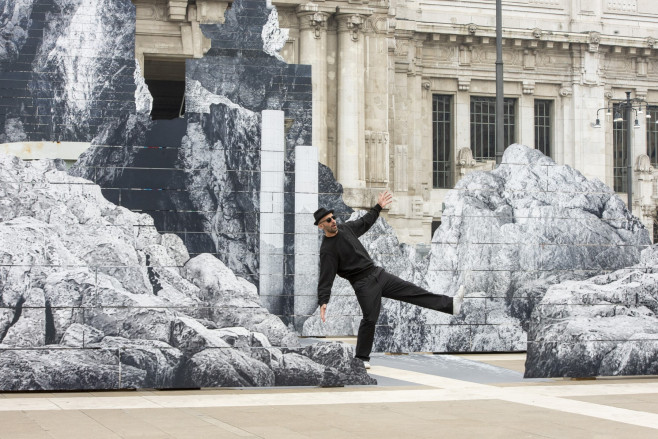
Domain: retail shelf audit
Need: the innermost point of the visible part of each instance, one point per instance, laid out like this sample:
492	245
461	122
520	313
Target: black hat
320	213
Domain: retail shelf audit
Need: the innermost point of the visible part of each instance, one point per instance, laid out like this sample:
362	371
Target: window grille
619	151
483	126
543	126
652	135
442	141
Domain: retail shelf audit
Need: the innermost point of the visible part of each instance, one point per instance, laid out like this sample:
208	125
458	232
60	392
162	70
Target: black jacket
343	254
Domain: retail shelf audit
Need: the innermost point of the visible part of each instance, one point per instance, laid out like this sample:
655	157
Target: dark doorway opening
165	79
435	225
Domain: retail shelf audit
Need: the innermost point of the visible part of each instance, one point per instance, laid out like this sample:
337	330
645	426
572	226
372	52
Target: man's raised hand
384	199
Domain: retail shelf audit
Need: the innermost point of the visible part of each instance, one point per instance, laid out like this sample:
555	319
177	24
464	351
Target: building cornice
474	32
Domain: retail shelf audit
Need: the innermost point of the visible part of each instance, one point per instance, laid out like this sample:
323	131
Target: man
342	253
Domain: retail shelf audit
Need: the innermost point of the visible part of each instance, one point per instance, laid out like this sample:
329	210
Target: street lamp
623	113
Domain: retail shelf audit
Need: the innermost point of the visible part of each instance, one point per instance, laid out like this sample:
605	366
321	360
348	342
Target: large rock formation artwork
214	176
92	296
67	68
605	325
506	235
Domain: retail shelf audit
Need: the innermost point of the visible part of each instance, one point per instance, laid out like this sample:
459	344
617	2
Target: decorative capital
464	84
317	21
351	23
528	87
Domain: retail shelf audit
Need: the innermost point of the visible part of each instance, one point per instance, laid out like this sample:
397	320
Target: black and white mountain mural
92	296
182	253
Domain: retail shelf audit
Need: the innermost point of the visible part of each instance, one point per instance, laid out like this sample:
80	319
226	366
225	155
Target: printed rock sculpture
92	296
507	235
606	325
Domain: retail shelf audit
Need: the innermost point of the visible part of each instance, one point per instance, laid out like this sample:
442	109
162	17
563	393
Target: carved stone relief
154	10
566	91
529	59
465	55
621	5
287	18
643	164
377	151
401	179
378	25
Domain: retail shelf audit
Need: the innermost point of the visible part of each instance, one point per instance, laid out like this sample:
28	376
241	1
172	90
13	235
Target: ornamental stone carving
528	87
594	40
464	84
651	42
537	33
465	157
566	91
351	23
317	21
472	28
622	5
643	164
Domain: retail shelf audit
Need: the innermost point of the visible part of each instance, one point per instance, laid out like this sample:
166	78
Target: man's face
328	224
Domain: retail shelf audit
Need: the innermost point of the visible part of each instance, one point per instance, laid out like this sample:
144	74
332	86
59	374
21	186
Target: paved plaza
418	396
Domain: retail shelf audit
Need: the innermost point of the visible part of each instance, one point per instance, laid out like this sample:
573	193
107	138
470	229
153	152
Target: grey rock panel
94	297
602	326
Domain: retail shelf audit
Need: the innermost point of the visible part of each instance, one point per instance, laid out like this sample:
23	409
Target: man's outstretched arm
363	224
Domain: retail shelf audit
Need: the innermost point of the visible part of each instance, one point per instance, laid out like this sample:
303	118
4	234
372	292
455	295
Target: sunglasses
330	219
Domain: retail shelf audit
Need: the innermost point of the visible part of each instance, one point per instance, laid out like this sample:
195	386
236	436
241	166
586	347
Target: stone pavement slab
419	396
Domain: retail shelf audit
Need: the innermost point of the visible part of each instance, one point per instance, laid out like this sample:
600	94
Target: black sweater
343	254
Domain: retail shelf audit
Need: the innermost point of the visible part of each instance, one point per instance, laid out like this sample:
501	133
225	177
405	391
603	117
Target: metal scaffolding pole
500	96
628	117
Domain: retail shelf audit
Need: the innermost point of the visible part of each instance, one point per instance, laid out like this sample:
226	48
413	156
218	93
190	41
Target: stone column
564	126
376	110
272	179
306	234
526	122
588	142
462	121
313	51
640	134
350	142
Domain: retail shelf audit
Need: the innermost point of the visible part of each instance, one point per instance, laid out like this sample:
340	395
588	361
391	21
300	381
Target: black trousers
369	292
